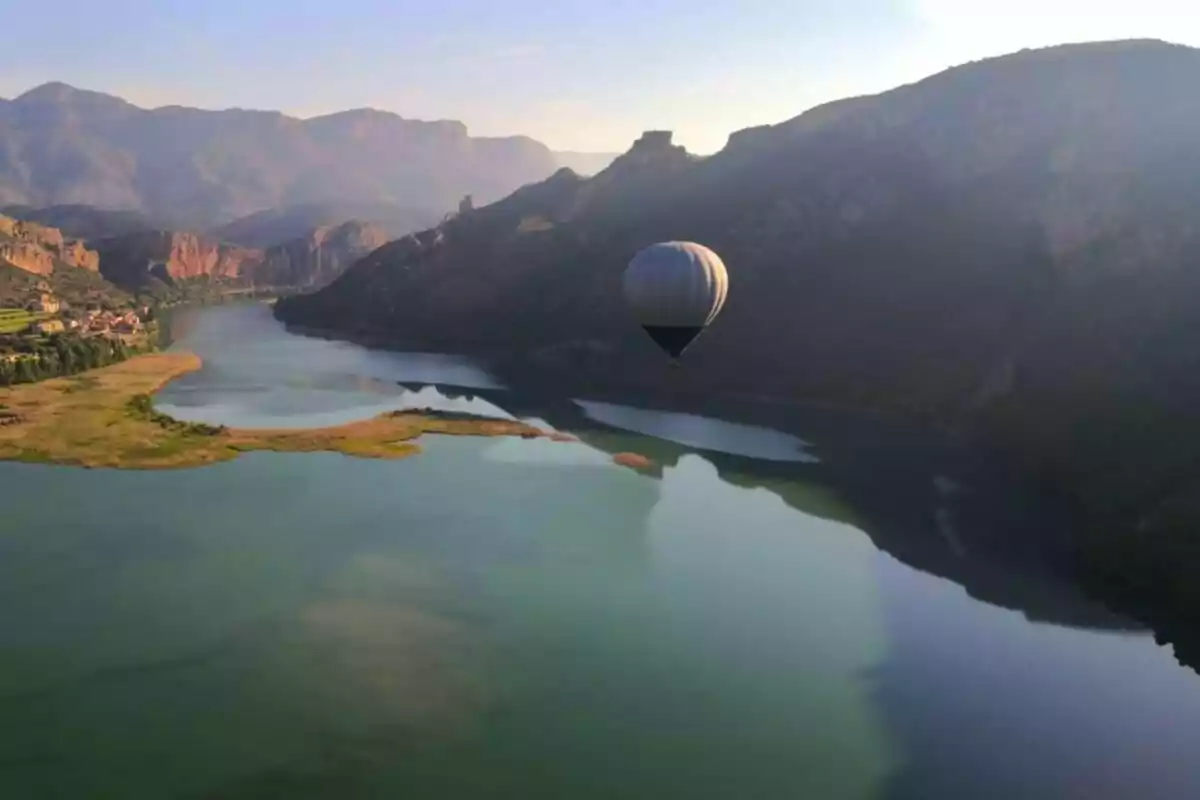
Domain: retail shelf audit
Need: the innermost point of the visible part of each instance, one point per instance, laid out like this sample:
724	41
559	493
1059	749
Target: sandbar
105	418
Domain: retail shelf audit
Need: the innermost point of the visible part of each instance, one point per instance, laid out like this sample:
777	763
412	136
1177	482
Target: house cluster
107	322
52	316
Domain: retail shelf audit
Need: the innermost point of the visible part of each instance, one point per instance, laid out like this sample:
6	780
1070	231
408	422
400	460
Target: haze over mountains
254	198
193	169
1010	246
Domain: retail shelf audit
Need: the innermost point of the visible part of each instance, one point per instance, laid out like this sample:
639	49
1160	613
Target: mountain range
1007	249
193	169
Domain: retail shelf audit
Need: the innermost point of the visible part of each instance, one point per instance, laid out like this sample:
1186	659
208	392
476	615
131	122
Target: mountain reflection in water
888	483
779	608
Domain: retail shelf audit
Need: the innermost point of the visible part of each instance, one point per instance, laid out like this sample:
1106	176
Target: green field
15	320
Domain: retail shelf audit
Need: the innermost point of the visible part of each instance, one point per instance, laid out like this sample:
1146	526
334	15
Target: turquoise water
500	618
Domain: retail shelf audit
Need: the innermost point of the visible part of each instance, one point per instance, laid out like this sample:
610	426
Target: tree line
60	354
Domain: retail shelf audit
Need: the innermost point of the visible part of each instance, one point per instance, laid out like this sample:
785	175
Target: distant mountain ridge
1009	247
83	222
193	169
278	225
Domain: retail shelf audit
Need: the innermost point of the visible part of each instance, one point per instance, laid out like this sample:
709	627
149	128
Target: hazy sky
576	74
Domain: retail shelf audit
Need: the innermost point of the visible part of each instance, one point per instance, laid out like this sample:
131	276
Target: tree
24	371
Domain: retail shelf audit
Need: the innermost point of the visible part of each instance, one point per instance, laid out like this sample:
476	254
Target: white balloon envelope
675	290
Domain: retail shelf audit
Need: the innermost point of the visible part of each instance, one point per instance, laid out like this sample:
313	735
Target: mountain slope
1010	246
83	222
195	169
277	225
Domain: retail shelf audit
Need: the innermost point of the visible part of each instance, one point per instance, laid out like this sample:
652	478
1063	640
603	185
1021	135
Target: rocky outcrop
28	257
308	261
36	248
316	259
655	149
130	261
75	254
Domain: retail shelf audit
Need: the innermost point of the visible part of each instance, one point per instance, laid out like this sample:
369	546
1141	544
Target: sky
586	75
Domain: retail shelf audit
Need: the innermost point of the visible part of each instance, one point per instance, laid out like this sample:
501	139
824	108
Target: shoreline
104	418
511	367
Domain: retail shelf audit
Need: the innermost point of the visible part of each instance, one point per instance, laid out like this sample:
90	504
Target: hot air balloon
675	289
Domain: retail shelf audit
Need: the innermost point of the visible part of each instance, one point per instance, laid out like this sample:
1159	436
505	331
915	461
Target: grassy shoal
104	418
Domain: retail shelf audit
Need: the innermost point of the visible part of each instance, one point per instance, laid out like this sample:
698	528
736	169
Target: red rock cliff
35	248
126	260
312	260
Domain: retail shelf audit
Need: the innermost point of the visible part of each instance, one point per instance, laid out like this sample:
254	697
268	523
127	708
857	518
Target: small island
105	418
634	461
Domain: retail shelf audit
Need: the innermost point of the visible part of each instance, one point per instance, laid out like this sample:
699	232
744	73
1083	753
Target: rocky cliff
1008	247
317	258
37	248
135	260
191	169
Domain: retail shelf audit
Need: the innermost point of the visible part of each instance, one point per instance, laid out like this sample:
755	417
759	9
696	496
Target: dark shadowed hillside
190	169
1010	247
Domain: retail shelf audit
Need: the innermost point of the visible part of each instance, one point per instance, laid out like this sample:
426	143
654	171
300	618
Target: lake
826	609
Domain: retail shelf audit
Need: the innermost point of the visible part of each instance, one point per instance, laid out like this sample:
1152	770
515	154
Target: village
48	315
45	337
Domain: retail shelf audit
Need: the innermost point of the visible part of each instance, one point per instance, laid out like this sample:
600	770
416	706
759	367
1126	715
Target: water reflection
886	481
1029	711
890	488
256	376
506	618
931	508
702	433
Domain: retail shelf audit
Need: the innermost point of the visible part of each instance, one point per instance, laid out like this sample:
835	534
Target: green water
524	619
